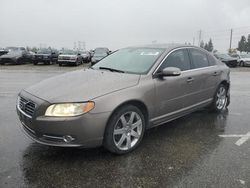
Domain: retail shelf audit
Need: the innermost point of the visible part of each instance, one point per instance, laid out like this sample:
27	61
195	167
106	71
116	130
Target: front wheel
125	130
220	101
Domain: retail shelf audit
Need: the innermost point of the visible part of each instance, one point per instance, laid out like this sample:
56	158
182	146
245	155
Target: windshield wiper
110	69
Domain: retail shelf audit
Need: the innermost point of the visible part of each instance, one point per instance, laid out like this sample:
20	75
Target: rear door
203	76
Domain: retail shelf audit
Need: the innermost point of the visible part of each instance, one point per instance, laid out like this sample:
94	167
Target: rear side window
211	60
179	59
199	58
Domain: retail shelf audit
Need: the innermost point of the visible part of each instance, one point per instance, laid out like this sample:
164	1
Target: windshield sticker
150	53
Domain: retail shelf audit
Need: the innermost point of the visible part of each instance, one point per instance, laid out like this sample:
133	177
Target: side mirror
170	71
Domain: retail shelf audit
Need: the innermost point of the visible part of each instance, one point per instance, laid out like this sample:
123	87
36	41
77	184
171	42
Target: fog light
68	138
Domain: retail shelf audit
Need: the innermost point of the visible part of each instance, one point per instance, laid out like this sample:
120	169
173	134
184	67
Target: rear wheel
220	101
125	130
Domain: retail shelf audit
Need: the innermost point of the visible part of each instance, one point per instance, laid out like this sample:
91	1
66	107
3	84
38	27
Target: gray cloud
118	23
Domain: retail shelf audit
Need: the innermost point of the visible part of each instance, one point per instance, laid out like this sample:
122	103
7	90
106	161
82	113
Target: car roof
164	46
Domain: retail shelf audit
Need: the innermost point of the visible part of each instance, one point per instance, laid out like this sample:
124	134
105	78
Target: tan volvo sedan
113	102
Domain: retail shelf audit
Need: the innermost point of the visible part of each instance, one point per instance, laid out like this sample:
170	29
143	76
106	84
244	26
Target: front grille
26	106
39	57
65	58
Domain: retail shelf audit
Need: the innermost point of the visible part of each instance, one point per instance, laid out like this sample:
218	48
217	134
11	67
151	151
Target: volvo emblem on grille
24	105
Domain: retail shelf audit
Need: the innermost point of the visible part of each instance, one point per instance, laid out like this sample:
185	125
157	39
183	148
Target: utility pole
199	38
231	36
193	40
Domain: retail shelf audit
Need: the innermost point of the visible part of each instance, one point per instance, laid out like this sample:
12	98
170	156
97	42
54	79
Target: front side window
199	58
211	60
179	59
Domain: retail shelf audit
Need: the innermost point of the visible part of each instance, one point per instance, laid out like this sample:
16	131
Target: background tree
247	45
210	45
202	44
242	44
34	49
206	46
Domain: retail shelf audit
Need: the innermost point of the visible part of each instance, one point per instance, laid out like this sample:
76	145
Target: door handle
190	80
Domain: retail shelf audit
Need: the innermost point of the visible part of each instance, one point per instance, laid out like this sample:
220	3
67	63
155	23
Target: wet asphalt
187	152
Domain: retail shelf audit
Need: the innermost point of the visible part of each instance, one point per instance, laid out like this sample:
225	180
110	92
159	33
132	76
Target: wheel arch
139	104
225	82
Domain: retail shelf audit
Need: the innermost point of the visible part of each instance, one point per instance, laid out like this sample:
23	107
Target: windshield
131	60
245	56
100	53
44	51
69	52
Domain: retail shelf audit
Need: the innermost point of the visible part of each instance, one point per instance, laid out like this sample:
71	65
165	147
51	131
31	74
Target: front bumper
42	59
66	61
84	131
8	60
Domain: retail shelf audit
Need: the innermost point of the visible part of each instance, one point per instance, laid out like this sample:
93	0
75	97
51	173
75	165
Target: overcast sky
120	23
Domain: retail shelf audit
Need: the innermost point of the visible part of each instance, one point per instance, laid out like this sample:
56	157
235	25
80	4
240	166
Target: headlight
69	109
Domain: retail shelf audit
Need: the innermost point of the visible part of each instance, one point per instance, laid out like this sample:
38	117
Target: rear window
199	58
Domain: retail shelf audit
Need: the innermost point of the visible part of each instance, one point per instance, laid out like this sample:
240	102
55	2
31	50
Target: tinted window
199	58
179	59
211	60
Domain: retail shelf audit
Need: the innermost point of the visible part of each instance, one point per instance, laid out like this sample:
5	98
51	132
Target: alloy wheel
221	98
128	130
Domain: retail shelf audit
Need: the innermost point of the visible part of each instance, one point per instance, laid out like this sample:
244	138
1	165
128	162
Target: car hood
98	57
82	85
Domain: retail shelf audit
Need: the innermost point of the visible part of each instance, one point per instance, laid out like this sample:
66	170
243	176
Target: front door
171	92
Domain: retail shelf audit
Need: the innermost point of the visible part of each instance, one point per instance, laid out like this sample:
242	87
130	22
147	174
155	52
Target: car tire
34	63
221	100
2	63
124	130
19	62
60	64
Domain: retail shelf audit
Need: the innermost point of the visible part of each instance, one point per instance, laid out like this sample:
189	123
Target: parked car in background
243	59
15	55
70	57
113	102
99	54
46	56
92	51
227	59
86	56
